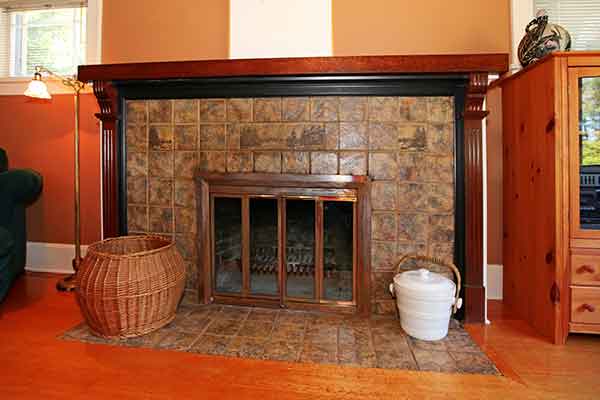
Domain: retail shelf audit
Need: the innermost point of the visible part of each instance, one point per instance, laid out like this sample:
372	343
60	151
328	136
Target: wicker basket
129	286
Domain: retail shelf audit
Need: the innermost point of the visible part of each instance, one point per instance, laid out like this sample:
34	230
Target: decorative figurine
542	38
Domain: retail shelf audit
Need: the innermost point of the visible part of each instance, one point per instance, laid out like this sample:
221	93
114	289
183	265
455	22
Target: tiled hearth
404	144
295	336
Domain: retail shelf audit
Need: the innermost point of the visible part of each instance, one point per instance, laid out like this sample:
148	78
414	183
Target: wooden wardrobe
551	194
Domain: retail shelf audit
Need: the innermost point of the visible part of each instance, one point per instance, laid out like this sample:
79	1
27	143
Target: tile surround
405	144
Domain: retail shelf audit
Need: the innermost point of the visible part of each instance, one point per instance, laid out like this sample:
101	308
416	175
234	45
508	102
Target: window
52	33
580	17
279	28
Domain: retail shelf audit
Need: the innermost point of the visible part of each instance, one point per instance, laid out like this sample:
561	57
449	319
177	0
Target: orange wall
155	30
38	134
422	26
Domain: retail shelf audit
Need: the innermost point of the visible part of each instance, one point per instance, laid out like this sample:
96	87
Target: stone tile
137	164
211	344
440	198
354	136
407	168
295	162
180	341
413	196
383	109
263	314
353	109
332	136
385	307
160	164
323	163
262	136
461	344
185	193
438	361
239	161
381	284
444	251
434	168
186	163
321	333
280	350
227	327
185	220
161	219
383	256
136	190
413	109
292	317
383	226
239	110
383	135
267	161
289	332
212	137
440	110
136	112
427	345
384	195
186	137
261	329
412	137
186	244
440	138
160	192
212	110
474	363
137	218
324	108
403	248
441	228
193	324
160	111
295	109
233	312
413	227
160	137
302	136
149	340
322	353
267	109
212	161
383	166
232	140
185	111
208	311
191	275
353	163
137	138
248	347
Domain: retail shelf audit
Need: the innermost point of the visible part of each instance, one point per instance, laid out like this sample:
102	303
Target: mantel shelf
392	64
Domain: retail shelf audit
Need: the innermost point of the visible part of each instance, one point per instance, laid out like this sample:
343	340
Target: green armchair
18	188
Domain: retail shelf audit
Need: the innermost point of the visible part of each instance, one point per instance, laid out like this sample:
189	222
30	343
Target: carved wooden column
109	117
473	148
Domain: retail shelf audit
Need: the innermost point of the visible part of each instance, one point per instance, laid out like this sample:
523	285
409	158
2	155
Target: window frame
10	86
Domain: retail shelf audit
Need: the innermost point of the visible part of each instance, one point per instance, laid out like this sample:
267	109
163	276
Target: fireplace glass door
284	248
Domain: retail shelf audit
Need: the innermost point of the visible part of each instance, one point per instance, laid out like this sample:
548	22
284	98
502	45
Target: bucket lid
423	281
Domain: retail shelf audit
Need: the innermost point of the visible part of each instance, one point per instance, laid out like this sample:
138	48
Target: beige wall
494	176
155	30
420	26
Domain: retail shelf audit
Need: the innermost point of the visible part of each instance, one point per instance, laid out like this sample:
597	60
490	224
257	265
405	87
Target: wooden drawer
585	305
585	269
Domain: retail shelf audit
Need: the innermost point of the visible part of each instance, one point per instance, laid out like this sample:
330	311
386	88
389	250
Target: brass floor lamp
38	89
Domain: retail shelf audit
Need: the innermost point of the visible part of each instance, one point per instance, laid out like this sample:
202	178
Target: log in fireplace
225	123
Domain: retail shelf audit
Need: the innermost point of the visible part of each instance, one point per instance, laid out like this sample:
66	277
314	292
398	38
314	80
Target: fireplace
409	126
285	240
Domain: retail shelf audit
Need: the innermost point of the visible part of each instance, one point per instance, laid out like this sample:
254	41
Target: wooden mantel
473	68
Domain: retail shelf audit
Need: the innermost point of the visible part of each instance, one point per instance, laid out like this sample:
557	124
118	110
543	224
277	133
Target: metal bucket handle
433	260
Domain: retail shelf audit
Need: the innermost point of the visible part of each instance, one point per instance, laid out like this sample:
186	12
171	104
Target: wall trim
51	257
494	281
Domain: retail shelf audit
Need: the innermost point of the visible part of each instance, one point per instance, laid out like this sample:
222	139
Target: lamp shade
37	89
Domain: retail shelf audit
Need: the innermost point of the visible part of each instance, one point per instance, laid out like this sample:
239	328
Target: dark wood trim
473	163
209	185
393	64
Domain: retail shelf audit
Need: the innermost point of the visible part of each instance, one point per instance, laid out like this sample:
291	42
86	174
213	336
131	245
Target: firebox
284	240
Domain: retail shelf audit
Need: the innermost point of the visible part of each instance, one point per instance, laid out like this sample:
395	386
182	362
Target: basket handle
433	260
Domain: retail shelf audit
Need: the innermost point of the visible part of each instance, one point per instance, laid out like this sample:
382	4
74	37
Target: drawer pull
588	307
585	268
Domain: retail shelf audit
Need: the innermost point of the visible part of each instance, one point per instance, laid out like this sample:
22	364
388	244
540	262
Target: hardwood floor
35	364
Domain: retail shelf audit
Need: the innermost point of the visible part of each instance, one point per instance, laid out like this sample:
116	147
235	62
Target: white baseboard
51	257
494	282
